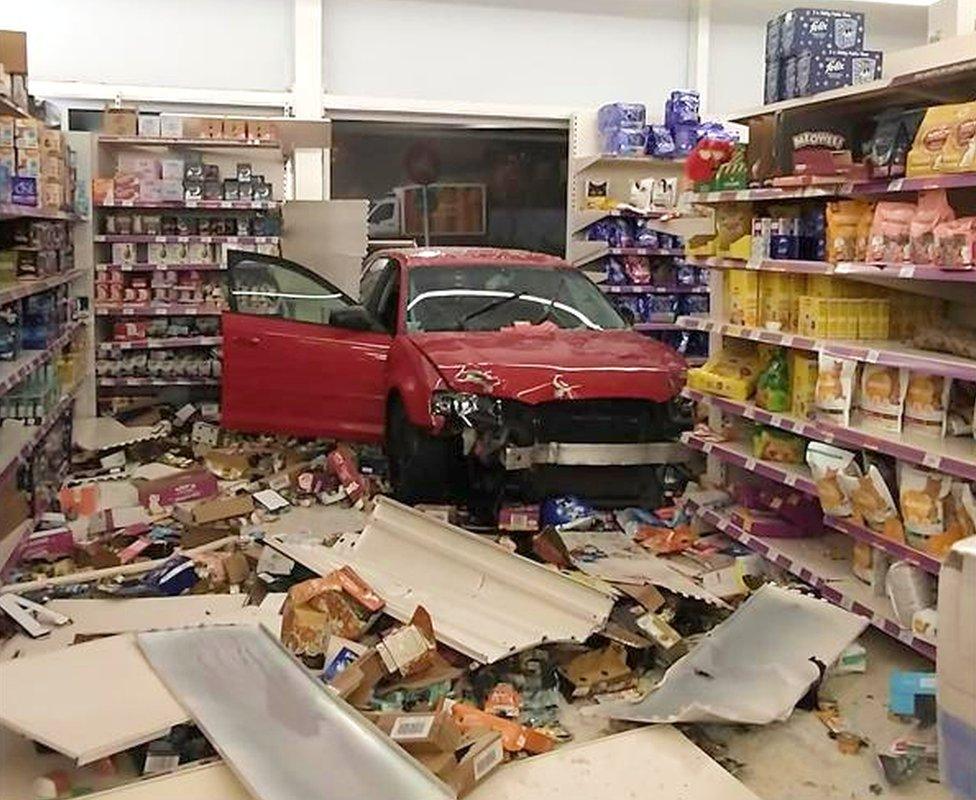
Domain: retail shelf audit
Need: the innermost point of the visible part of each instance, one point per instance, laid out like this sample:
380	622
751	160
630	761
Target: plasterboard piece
100	617
647	762
212	781
105	433
723	679
87	701
284	734
484	601
625	562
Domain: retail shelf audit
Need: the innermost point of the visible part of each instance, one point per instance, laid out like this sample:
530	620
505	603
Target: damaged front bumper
575	454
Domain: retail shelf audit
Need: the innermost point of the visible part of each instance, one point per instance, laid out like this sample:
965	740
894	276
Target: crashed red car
475	368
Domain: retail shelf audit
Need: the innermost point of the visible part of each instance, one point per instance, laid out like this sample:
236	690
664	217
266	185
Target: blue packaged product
644	235
632	304
601	231
682	108
788	86
693	304
660	142
621	115
661	307
703	276
831	69
9	335
624	141
615	271
566	511
23	191
813	30
773	89
772	39
621	233
686	275
685	138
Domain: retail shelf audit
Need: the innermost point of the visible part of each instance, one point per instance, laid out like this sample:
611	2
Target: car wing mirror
354	318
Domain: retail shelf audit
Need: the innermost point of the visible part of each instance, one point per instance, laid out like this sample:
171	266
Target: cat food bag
910	590
955	243
888	242
922	497
843	220
773	444
873	502
835	389
933	209
637	269
960	517
828	465
926	403
959	417
882	397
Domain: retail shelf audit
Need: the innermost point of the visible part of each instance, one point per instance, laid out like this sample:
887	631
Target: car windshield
491	297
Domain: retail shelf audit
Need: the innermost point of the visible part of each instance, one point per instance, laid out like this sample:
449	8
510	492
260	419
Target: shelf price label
932	460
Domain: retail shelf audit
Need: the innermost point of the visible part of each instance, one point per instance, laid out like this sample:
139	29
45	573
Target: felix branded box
814	30
819	71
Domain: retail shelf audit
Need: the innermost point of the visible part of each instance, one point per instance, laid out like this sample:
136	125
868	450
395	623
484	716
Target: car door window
389	298
370	279
270	286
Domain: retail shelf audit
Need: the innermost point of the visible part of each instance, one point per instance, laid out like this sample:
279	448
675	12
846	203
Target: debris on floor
269	585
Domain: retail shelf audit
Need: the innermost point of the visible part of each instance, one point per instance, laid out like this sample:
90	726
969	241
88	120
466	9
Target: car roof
470	257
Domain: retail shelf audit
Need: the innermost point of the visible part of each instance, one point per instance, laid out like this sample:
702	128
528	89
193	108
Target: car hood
540	363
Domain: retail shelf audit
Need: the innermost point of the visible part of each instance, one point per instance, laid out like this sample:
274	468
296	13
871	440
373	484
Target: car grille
587	421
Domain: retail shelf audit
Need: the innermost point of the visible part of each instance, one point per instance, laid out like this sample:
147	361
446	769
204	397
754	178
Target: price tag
749	412
207	239
932	460
183	239
895	185
750	464
754	264
872	356
722	524
159	239
789	479
787	340
707	447
752	334
842	268
128	312
906	272
192	204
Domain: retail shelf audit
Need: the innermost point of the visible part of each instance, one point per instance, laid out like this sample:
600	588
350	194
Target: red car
472	366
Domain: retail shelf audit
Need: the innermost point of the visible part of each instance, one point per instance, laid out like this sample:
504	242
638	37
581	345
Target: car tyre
423	468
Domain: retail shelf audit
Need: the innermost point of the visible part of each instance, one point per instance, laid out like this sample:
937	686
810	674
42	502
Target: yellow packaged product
726	375
776	301
733	221
872	319
742	297
814	316
803	383
842	319
844	218
945	141
864	232
827	286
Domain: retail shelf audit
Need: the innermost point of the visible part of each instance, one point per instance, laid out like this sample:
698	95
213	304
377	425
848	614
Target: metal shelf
21	289
814	561
886	353
18	442
656	326
652	163
798	476
190	205
8	107
161	344
11	211
107	238
160	267
169	381
155	310
165	141
638	288
602	250
919	272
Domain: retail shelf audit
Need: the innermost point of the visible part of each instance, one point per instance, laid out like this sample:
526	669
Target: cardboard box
355	683
120	121
831	69
207	511
51	142
103	191
28	162
13	51
148	125
191	484
806	30
956	678
420	732
6	132
170	126
235	129
27	133
480	758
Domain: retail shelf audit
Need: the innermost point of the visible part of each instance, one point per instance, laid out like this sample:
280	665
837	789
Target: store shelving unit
619	173
824	561
267	159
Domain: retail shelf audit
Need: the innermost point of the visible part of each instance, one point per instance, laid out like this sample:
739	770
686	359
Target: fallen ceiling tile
485	602
285	735
317	522
106	433
87	701
622	561
654	762
754	667
100	617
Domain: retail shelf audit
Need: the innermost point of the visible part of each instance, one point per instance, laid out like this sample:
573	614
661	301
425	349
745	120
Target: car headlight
464	407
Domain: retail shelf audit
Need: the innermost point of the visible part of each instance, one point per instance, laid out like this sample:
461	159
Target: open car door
300	357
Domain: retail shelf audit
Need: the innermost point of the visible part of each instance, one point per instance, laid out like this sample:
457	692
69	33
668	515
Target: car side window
270	286
388	298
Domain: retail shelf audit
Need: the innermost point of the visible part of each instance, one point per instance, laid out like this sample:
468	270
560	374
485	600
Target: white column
948	18
311	165
699	38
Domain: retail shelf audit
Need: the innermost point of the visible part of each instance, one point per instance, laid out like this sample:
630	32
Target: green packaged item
772	444
773	384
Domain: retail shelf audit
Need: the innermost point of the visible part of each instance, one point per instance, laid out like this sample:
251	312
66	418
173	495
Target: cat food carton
835	389
926	403
922	496
882	397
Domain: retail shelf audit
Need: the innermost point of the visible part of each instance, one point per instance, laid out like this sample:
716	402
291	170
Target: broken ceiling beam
484	601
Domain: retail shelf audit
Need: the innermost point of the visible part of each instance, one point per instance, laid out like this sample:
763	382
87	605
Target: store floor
797	759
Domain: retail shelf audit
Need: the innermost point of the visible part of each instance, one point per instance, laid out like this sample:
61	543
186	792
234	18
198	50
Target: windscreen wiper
486	308
552	303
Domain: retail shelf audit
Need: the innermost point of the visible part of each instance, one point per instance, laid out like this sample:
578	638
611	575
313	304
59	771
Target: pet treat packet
926	403
882	397
873	502
828	464
835	389
922	496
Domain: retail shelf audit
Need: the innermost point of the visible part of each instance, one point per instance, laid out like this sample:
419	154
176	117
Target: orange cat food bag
888	242
835	389
922	495
926	403
960	516
873	503
882	397
829	465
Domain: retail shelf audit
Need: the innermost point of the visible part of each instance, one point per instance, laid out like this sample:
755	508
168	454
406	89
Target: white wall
226	44
568	53
735	78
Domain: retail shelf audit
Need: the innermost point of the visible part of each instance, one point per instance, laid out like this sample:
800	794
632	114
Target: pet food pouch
835	388
803	385
955	243
959	417
843	219
921	496
773	444
882	397
828	464
889	238
773	386
960	516
873	502
926	403
933	209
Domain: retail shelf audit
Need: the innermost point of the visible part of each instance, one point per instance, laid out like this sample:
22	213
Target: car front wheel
423	468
